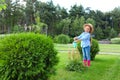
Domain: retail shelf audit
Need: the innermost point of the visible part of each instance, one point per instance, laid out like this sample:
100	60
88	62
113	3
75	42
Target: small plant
94	49
75	65
27	56
62	39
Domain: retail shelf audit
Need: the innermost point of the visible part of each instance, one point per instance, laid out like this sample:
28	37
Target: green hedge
62	39
27	56
115	40
94	49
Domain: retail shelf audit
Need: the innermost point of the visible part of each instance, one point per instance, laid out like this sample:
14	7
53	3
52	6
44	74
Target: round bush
27	56
115	40
62	39
94	49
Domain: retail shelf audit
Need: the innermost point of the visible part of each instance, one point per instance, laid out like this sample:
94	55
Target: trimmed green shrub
115	40
75	65
27	56
62	39
94	49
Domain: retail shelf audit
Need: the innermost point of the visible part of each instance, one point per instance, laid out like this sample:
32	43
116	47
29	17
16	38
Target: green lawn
111	48
105	67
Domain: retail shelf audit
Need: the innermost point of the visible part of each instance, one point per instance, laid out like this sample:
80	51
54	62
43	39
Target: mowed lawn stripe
113	73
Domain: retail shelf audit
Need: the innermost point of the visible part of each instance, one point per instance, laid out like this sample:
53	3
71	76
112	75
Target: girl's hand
75	38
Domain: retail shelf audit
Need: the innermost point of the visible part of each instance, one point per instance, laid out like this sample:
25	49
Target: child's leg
87	50
84	57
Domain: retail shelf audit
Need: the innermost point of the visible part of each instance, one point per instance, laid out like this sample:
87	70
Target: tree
115	14
47	13
2	4
76	11
63	26
98	33
99	18
90	20
11	16
77	26
40	27
113	33
107	32
8	16
29	12
61	13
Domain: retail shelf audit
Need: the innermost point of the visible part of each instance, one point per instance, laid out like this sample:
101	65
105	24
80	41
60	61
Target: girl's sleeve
79	37
84	37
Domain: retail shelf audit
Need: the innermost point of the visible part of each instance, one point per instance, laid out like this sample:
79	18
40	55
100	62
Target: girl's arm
85	37
76	39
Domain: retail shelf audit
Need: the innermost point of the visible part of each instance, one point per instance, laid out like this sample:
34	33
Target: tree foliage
98	33
2	5
58	19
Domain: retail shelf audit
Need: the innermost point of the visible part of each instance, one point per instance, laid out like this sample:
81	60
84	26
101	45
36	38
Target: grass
105	67
109	48
115	48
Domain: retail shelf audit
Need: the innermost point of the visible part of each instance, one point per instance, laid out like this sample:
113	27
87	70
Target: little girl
85	39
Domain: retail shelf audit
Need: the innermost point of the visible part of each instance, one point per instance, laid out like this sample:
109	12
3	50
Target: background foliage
62	39
58	19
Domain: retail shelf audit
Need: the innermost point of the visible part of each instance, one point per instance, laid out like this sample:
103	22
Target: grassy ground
112	48
115	48
105	67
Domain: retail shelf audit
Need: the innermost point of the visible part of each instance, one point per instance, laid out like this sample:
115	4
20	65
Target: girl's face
87	29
